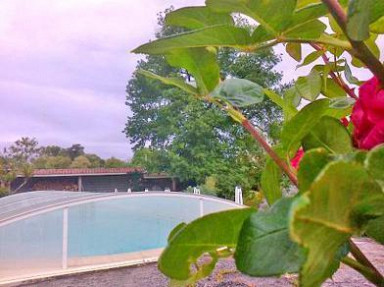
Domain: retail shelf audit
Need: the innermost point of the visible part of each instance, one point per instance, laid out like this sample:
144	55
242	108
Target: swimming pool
49	230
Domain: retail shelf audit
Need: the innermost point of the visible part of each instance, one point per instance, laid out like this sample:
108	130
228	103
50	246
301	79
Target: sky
65	65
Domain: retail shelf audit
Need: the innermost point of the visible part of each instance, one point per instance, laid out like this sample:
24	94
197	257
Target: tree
115	162
59	161
25	150
75	150
152	160
198	140
95	160
81	162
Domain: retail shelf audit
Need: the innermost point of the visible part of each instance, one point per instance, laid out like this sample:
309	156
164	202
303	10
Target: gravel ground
225	275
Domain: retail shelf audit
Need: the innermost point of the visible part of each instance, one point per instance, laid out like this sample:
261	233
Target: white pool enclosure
47	233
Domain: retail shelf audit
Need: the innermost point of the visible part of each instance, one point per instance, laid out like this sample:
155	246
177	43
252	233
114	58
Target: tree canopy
174	132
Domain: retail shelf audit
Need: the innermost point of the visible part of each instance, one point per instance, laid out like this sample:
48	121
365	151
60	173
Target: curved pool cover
56	232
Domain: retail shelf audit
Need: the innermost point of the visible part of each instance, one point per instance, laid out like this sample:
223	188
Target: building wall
96	183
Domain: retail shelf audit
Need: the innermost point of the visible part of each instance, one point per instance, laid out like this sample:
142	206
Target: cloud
65	66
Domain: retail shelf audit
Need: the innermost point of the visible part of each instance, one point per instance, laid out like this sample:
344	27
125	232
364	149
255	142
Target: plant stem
373	277
279	161
334	77
360	257
360	50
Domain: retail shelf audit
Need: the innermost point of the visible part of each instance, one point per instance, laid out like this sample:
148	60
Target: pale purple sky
64	68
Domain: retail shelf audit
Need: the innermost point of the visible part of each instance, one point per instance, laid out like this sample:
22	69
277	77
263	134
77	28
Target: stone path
225	275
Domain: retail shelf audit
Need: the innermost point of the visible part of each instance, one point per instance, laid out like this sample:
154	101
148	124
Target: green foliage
204	235
326	215
329	134
81	162
302	123
264	247
115	162
340	188
239	92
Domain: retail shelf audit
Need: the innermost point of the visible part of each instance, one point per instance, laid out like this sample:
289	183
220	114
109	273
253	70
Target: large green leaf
264	247
206	234
239	92
330	134
197	17
331	90
219	35
273	15
302	123
358	19
311	165
177	82
270	182
375	162
201	63
310	31
323	218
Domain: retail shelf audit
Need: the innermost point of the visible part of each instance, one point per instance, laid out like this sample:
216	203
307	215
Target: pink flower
295	161
368	115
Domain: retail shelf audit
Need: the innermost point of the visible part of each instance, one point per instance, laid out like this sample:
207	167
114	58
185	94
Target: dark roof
85	171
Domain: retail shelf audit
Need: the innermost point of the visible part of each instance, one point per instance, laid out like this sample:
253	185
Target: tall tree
200	140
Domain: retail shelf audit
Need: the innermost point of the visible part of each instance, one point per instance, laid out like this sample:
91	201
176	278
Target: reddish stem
334	77
260	139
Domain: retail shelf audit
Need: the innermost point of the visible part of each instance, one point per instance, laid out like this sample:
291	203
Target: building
95	180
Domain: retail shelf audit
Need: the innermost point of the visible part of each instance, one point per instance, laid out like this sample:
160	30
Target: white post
238	195
80	183
196	190
201	204
64	260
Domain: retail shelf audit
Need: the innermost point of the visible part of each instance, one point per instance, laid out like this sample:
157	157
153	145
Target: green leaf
239	92
359	19
197	17
330	134
310	31
375	229
321	219
348	75
311	58
199	62
205	234
309	87
375	162
302	123
220	35
176	230
294	50
311	165
273	15
264	247
332	90
284	103
341	103
177	82
270	182
378	26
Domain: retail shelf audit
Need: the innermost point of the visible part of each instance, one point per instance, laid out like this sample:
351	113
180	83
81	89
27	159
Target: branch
360	50
334	77
279	161
373	277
